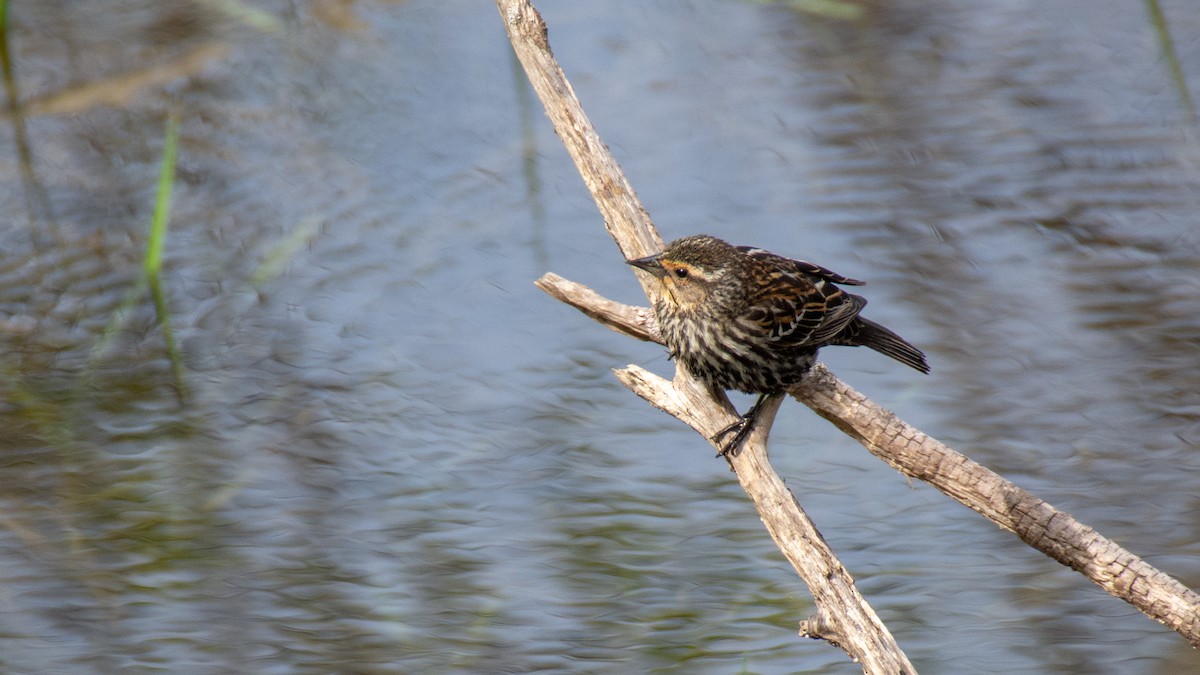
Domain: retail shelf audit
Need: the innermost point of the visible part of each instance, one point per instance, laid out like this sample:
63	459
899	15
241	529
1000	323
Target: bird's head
693	270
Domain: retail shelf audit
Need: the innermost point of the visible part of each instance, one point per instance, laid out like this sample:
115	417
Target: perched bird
743	318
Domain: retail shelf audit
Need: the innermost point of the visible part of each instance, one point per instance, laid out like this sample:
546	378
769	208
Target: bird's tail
865	333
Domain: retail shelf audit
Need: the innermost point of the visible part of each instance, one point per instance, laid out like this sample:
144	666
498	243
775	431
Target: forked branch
843	617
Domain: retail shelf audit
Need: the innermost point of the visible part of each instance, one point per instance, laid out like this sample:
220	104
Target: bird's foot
740	430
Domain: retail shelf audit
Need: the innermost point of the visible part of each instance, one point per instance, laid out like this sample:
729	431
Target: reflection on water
400	457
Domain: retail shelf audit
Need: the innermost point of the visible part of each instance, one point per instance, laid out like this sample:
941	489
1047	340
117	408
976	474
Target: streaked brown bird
743	318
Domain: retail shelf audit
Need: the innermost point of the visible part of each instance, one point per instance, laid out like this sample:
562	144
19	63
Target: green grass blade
152	263
151	276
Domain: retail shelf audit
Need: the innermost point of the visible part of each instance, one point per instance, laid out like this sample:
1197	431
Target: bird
743	318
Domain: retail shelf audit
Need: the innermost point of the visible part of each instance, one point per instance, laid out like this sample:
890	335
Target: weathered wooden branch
843	617
1037	523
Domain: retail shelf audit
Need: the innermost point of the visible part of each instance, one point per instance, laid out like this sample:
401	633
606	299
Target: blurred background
370	445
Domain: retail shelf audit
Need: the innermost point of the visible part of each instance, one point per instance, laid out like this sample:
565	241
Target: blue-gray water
395	455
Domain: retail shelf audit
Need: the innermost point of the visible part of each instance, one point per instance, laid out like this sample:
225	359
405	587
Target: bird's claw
741	429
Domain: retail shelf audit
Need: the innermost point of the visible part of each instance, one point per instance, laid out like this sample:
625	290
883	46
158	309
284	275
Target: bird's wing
797	309
801	266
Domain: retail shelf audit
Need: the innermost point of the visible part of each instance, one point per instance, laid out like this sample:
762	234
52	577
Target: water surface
394	454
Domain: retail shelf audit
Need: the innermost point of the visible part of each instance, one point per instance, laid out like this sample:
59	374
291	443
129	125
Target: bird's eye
681	272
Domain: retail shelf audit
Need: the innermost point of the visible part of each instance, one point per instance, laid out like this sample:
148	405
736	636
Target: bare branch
638	322
626	220
843	618
849	622
1037	523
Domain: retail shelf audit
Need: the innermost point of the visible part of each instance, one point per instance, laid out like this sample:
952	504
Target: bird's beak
651	263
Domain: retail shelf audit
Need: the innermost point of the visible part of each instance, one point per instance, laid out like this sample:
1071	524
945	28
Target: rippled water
393	454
